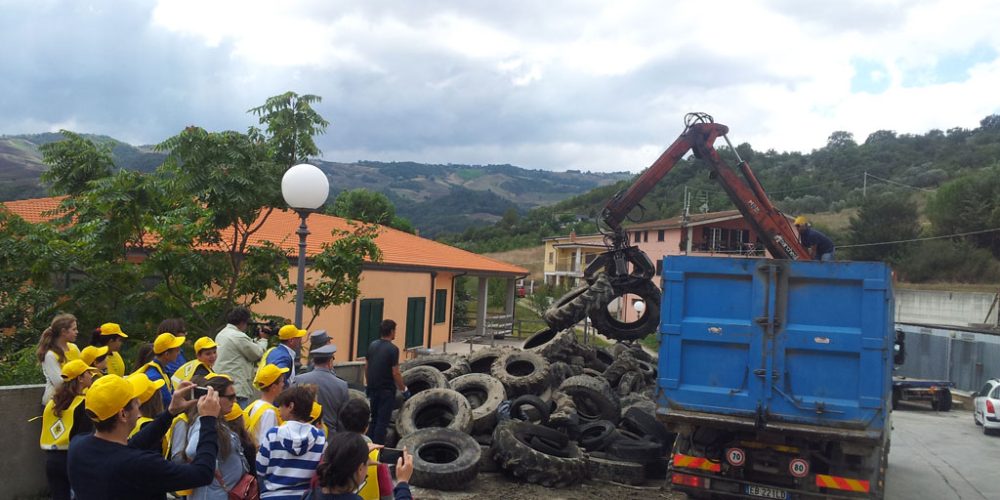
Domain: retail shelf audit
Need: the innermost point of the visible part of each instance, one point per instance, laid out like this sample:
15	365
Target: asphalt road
938	455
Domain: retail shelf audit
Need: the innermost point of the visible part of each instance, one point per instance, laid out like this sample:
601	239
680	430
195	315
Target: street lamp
304	188
639	307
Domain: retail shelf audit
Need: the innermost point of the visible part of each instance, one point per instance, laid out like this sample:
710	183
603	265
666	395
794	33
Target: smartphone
389	455
200	391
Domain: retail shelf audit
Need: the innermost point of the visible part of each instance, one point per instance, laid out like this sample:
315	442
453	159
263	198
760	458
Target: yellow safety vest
72	352
369	489
152	364
186	371
168	441
263	359
55	430
252	414
138	425
116	365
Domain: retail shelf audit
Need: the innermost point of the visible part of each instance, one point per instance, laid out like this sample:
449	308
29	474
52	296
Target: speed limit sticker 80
798	467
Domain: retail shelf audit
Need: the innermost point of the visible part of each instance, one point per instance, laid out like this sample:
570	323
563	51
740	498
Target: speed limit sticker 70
798	467
736	457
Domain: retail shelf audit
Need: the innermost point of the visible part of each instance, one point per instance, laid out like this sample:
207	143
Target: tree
291	123
369	206
881	219
74	162
841	138
967	204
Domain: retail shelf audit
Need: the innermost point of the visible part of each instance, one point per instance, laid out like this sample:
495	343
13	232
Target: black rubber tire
553	345
597	435
541	409
420	378
391	437
638	451
647	426
517	458
593	398
522	372
574	306
605	468
943	400
564	415
435	408
559	371
624	364
610	327
486	462
484	394
647	370
631	382
443	459
481	361
603	355
451	365
591	373
897	396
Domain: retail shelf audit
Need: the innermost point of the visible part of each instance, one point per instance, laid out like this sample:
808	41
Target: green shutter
370	318
415	307
440	305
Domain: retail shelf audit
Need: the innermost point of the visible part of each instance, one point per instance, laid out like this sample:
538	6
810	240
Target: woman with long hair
230	462
234	420
64	417
345	468
55	348
143	356
112	336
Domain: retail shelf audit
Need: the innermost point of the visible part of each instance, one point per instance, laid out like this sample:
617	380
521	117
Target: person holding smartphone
344	469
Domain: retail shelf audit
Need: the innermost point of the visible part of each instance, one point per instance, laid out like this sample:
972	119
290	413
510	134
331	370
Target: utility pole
864	188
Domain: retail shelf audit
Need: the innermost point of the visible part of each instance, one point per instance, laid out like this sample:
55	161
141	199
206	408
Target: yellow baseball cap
801	220
149	387
75	368
267	374
212	375
109	395
235	413
91	353
317	410
290	332
204	343
112	329
166	341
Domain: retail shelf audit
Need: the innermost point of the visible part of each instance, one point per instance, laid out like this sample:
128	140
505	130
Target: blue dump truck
776	376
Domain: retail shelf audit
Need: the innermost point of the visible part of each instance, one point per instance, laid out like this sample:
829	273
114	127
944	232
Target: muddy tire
530	408
443	459
605	468
647	369
522	372
484	394
564	415
421	378
624	364
610	327
571	308
513	453
645	425
640	451
435	408
631	382
551	344
482	360
450	365
597	435
486	462
593	398
558	372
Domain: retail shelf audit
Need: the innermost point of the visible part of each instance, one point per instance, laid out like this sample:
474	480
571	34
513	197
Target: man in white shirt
238	354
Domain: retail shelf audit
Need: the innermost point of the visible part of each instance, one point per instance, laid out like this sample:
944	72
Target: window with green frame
369	320
440	305
415	307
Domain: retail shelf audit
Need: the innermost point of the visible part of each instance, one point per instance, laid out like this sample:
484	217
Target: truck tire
538	413
522	372
597	435
572	307
484	394
559	371
435	408
610	327
551	344
647	369
514	454
605	468
443	459
645	424
897	396
593	398
942	401
482	360
630	383
450	365
624	364
564	415
640	451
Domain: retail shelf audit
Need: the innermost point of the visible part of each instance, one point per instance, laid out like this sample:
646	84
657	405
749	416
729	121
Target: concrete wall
943	307
22	462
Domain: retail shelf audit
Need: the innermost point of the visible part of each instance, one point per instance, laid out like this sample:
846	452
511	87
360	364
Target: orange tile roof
398	248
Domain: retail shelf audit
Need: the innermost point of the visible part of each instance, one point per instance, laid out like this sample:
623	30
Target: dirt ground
489	486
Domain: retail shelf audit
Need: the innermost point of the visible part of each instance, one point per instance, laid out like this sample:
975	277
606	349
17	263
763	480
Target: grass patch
468	174
594	340
651	341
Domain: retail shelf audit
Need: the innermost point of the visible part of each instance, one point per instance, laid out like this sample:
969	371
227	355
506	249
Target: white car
987	411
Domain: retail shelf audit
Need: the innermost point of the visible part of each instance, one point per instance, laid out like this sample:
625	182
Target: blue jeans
382	402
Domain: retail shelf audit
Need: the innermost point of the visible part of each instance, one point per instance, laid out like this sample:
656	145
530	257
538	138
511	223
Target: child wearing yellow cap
262	415
96	357
205	353
110	335
63	418
166	348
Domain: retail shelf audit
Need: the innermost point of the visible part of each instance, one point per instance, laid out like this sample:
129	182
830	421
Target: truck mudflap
694	480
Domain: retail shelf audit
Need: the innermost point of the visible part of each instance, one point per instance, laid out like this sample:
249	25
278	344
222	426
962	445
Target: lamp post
639	306
304	188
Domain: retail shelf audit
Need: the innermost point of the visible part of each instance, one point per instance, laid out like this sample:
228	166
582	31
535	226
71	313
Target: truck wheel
484	394
435	408
516	456
943	400
522	372
897	396
593	398
443	459
449	364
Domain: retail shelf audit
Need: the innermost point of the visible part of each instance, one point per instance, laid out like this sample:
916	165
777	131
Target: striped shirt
287	460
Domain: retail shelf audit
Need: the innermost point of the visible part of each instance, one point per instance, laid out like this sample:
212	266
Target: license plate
765	492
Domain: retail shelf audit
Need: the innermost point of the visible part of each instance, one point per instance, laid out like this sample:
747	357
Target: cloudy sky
593	85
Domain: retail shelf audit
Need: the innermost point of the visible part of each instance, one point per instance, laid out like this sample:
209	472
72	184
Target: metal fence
967	358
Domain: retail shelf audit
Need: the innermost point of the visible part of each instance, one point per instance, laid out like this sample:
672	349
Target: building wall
394	287
549	262
22	462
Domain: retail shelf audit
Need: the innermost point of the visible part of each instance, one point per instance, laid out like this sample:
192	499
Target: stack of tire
553	412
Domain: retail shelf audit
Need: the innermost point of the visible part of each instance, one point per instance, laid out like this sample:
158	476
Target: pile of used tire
553	412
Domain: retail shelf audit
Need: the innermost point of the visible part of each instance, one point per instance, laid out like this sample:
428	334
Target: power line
920	239
899	183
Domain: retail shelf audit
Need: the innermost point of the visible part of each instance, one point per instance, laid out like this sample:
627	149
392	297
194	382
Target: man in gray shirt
331	391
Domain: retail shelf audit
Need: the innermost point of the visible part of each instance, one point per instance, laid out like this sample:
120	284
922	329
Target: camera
255	328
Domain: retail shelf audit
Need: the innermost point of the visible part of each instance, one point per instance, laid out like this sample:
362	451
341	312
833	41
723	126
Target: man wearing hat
205	353
107	465
283	355
166	348
331	391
